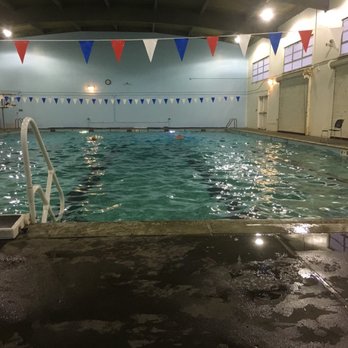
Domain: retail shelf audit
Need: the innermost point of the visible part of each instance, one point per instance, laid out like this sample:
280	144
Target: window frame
344	37
296	57
260	70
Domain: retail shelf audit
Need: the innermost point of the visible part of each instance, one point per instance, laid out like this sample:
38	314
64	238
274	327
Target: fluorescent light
267	14
7	33
90	88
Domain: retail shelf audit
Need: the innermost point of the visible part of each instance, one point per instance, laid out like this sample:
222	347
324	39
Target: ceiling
188	18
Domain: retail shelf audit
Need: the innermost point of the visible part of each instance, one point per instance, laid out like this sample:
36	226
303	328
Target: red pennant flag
21	46
118	46
212	42
305	37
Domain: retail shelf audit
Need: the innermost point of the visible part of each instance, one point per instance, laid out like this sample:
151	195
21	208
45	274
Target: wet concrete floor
172	290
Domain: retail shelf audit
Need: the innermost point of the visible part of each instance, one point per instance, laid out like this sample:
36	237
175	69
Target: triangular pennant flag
183	100
136	101
305	37
219	99
118	46
177	100
130	101
148	100
238	98
24	99
153	101
118	101
165	100
201	99
212	42
244	42
225	98
213	99
100	100
75	100
87	101
55	100
124	101
232	98
106	100
94	100
49	100
189	100
112	101
150	46
195	100
86	47
159	100
181	45
37	99
142	100
275	39
62	100
81	100
18	99
171	100
21	46
68	100
6	98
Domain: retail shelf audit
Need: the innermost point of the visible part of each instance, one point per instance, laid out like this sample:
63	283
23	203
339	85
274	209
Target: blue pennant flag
201	99
275	39
56	100
189	100
165	100
81	100
153	101
106	101
30	99
86	47
142	101
94	100
213	99
238	98
225	98
130	101
7	98
43	99
18	99
177	100
181	45
118	101
68	100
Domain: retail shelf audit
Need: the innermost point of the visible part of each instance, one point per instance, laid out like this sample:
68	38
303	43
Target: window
344	43
295	56
261	70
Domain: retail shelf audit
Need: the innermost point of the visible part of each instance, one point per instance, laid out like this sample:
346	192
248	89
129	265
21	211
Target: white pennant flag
25	99
183	100
124	101
219	99
75	100
37	100
244	42
232	98
159	100
112	101
148	100
136	101
49	99
100	100
62	100
171	100
195	100
150	45
87	101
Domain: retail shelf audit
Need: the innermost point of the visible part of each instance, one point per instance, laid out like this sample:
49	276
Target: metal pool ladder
51	177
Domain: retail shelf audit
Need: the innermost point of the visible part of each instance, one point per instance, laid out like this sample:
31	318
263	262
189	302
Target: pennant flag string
274	38
212	42
86	47
150	46
118	46
21	46
181	45
305	37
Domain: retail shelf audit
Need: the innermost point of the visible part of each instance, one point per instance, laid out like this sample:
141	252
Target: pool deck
176	284
220	283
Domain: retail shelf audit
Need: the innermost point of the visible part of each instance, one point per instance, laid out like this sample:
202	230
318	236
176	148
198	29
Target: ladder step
10	225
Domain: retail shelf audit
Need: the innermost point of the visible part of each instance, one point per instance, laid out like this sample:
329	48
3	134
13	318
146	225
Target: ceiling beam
107	3
215	20
316	4
204	6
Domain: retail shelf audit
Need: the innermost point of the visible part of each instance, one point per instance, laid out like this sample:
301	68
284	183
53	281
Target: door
262	112
293	105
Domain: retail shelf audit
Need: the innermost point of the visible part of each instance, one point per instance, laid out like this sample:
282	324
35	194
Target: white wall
326	26
58	69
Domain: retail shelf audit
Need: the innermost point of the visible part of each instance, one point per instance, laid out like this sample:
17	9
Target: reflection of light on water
83	131
259	241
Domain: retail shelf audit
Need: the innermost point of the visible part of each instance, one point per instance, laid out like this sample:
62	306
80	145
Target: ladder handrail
51	176
233	122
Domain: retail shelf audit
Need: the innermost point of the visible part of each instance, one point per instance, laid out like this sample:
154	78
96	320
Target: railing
51	176
232	123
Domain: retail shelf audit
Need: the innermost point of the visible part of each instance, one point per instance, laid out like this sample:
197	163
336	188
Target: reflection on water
152	176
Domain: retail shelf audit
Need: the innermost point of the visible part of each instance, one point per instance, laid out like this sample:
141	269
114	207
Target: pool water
154	176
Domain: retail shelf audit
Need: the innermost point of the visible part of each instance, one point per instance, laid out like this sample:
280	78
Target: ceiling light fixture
7	33
91	88
267	14
237	39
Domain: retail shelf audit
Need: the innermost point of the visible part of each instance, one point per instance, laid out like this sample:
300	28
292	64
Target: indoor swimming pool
156	176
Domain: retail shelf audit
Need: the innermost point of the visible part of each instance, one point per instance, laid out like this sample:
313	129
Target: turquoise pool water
154	176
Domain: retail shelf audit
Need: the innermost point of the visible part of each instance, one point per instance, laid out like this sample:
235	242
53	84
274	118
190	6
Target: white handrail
51	176
232	122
